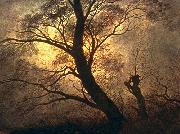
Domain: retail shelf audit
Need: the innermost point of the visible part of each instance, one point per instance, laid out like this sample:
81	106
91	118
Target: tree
133	86
79	25
157	77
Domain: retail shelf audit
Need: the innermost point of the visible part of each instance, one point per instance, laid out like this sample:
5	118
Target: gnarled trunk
104	103
98	95
141	104
133	87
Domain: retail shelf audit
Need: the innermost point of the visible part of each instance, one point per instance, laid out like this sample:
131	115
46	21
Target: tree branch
89	9
50	42
65	95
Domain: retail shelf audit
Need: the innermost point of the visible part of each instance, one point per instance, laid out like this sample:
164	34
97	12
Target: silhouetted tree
78	24
133	87
134	81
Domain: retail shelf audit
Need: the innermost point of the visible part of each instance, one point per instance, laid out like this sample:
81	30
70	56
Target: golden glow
46	54
52	32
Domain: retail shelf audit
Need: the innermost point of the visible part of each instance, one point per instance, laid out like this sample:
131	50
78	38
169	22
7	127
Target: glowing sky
12	10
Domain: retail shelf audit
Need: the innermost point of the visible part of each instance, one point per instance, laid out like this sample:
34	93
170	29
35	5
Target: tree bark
141	104
104	103
136	91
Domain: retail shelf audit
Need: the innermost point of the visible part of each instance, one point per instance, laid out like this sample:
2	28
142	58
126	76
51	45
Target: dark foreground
68	128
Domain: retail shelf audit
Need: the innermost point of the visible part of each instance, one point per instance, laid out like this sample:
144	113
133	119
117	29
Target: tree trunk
104	103
141	103
133	87
99	97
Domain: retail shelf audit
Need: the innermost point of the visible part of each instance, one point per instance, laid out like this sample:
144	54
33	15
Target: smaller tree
133	87
138	64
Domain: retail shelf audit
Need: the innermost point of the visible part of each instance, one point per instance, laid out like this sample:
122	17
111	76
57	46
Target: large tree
81	27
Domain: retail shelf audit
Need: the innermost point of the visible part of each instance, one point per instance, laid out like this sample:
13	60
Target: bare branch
165	95
89	9
65	95
53	43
